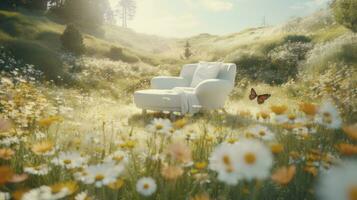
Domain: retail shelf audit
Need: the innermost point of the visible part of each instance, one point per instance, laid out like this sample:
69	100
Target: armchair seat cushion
158	100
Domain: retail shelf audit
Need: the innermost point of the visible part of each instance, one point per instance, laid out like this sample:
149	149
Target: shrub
345	13
116	53
297	38
72	40
277	66
43	58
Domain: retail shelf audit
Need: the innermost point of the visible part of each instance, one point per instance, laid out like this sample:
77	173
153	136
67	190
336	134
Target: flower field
63	143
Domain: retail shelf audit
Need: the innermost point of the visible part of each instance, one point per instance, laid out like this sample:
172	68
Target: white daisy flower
39	170
44	193
82	196
159	125
254	159
101	174
8	141
229	178
4	195
340	182
70	160
222	161
119	157
262	132
329	116
281	119
301	131
146	186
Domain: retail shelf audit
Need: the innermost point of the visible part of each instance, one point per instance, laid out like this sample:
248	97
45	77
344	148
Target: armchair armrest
212	93
168	82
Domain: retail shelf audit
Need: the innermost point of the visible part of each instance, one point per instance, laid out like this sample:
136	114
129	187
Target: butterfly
260	98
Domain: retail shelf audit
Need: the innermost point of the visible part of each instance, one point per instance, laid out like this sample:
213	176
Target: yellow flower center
159	127
67	162
327	118
250	158
292	117
118	158
226	160
99	177
352	193
262	133
146	186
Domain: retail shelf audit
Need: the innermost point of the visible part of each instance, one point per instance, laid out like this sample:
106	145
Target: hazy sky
179	18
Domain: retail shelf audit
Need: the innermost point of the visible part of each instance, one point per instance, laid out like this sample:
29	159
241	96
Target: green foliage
348	54
72	40
345	12
276	66
297	38
30	4
116	53
43	58
87	13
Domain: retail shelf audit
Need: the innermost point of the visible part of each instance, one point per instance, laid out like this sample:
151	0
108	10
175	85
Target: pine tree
188	52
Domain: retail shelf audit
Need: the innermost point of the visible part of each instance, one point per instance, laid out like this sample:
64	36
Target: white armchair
175	94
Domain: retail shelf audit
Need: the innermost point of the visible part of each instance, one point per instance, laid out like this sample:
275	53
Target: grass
113	125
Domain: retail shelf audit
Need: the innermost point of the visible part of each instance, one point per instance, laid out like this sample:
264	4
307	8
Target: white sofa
175	94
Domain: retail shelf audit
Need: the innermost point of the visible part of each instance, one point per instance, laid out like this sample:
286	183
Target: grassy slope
155	50
39	30
320	27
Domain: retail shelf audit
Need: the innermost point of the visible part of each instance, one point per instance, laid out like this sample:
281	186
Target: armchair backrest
227	72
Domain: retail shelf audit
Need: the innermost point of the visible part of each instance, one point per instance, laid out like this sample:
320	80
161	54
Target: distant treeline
84	12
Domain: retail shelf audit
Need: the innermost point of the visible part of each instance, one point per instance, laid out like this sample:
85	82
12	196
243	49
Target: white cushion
154	99
204	71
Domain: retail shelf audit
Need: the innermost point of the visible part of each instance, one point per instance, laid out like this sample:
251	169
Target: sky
183	18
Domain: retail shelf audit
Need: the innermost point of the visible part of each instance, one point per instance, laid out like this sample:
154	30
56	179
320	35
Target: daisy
279	109
101	174
308	108
159	125
5	125
82	196
254	159
222	161
8	141
44	193
70	160
119	157
262	132
4	195
6	154
39	170
328	116
146	186
45	148
340	182
351	131
171	172
180	152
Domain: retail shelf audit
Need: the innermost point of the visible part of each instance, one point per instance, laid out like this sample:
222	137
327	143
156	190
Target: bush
72	40
276	67
116	53
345	13
297	38
43	58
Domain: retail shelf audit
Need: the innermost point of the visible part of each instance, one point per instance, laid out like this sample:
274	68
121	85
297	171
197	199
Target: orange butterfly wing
262	98
253	94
